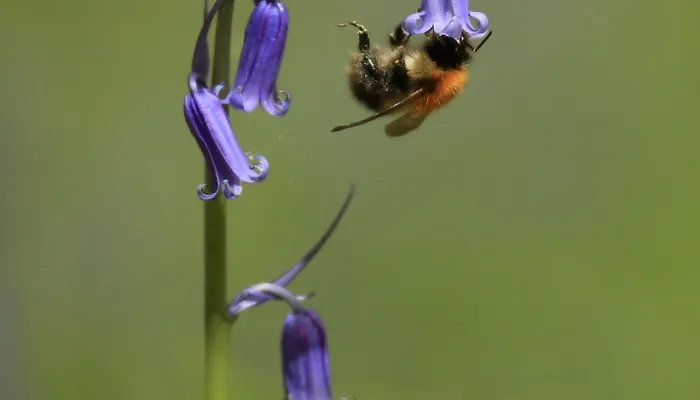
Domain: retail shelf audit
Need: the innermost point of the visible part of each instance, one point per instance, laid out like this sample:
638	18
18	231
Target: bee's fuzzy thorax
419	65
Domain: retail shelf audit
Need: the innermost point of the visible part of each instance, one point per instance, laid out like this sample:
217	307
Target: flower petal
194	122
453	29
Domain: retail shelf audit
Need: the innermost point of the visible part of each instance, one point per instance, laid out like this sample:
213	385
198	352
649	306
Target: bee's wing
404	124
388	111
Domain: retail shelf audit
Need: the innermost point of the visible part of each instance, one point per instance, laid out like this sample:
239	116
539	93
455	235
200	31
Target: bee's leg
362	35
369	61
399	37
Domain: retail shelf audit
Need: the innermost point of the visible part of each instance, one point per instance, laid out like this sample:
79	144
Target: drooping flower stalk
304	350
247	300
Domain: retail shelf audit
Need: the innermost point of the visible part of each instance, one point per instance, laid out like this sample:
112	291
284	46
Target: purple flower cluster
256	83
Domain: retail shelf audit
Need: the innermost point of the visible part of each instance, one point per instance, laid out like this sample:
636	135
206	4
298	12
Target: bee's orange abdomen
448	84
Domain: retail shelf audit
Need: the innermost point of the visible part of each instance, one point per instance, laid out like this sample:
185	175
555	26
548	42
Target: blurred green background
537	239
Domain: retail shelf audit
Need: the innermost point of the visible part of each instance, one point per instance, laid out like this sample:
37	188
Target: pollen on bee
448	84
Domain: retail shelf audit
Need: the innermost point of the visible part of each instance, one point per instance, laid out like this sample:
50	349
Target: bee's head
447	52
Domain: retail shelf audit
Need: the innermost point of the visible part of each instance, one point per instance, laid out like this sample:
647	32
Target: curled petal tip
204	196
218	88
278	104
231	191
414	24
482	28
261	167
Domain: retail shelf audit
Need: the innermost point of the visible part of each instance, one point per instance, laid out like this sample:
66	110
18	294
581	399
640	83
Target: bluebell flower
260	60
249	299
210	127
305	361
448	18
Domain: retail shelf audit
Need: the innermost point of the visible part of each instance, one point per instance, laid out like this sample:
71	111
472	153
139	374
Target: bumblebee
411	82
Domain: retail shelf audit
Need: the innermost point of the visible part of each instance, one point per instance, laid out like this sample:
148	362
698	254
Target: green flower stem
217	328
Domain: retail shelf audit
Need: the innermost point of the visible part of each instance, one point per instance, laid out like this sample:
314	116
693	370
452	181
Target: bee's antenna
488	35
381	113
